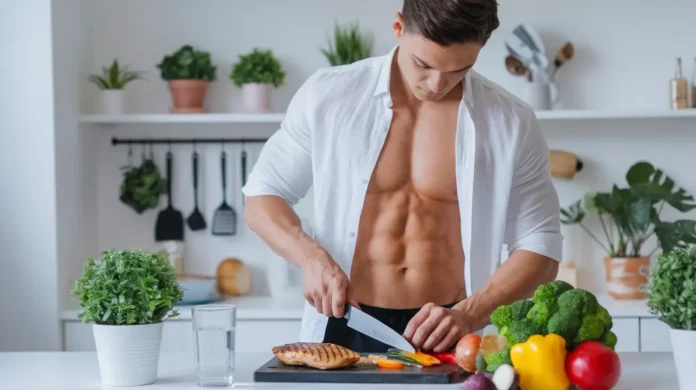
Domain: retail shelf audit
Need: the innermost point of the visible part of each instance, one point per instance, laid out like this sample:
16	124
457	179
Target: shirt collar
383	82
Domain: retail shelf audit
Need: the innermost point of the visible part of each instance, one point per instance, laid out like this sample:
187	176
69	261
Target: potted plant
255	73
188	72
112	82
349	45
629	216
672	299
126	295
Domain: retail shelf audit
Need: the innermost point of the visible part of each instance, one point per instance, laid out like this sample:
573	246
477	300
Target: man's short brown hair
448	22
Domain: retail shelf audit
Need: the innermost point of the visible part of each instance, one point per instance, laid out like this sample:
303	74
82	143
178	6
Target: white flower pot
256	97
112	101
684	352
128	354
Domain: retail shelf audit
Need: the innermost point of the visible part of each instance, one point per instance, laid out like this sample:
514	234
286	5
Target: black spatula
225	218
170	222
195	220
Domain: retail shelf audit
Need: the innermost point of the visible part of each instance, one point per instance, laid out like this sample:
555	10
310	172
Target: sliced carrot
423	358
387	363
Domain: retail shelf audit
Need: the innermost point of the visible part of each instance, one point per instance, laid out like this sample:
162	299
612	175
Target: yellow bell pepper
540	363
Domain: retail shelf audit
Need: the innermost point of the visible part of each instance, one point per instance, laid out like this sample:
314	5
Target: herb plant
127	287
349	45
629	216
671	295
188	63
258	66
142	186
115	76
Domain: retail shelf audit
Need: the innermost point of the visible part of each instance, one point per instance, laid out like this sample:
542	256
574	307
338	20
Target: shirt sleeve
533	218
284	166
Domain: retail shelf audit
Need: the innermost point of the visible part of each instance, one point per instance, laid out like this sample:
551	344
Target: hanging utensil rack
168	141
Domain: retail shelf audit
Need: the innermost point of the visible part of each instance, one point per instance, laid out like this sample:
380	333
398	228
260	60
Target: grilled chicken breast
324	356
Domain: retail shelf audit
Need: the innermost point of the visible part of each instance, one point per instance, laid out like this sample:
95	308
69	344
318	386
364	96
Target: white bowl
198	289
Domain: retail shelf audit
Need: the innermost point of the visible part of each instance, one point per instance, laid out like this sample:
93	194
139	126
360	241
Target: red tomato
593	366
466	351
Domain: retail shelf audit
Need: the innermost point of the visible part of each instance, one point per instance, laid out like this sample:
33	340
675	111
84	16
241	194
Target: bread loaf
233	277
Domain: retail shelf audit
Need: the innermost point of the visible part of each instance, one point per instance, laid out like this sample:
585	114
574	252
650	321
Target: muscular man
421	171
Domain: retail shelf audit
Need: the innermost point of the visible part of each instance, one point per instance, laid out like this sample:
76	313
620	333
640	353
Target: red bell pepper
593	366
444	357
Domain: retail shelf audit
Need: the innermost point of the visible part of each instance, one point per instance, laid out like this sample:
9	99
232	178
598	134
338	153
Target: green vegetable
495	360
114	77
142	186
672	288
348	46
127	287
502	317
548	293
609	339
539	315
520	309
397	354
520	332
591	328
187	63
258	66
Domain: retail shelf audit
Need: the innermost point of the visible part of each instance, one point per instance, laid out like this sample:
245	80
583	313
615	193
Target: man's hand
326	286
435	328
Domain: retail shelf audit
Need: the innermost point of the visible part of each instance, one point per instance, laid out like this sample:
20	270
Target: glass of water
214	329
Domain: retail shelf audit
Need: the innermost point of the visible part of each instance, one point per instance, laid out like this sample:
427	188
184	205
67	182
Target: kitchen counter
267	308
80	371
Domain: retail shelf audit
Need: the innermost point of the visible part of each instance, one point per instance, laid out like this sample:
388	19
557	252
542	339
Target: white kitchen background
60	177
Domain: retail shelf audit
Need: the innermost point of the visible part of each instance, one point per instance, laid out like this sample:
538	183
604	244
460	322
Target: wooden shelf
276	118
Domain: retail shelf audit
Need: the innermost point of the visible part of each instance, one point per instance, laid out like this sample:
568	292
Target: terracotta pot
627	277
188	96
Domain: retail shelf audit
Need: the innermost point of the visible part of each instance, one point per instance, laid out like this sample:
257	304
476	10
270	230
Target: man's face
431	70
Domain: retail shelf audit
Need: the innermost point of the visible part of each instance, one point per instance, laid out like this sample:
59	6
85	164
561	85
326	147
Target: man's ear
399	25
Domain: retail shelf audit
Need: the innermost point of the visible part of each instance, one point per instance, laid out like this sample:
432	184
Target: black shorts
338	332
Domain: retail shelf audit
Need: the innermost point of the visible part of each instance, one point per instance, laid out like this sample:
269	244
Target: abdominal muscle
408	251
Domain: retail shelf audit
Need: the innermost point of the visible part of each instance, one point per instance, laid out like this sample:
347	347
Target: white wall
28	276
624	58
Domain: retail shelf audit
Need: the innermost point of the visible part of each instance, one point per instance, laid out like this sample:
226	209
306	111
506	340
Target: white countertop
266	308
80	371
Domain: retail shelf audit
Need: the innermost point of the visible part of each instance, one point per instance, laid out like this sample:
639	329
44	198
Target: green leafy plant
115	76
188	63
142	186
349	45
671	293
629	216
127	287
258	66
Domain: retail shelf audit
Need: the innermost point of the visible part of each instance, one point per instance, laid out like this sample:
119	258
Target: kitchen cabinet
627	334
177	335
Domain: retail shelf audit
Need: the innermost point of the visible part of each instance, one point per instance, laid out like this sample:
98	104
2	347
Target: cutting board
275	371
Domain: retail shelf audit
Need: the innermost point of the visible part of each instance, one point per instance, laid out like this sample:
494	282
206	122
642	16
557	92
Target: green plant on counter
671	293
258	66
349	45
631	215
187	63
115	76
127	287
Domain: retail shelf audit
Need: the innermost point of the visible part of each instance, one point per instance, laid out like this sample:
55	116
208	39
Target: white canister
684	353
128	355
539	95
256	98
112	101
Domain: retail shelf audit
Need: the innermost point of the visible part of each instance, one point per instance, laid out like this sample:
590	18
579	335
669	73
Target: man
421	170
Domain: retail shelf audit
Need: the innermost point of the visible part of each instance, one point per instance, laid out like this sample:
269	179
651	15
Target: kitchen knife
372	327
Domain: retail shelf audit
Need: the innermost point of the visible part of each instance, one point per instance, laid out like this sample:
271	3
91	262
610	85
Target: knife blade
372	327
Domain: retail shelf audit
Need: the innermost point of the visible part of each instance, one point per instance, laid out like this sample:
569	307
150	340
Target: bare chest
419	154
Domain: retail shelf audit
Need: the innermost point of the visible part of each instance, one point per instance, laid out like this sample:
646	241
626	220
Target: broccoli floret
539	314
520	331
548	293
502	316
590	329
609	339
578	301
520	309
495	360
566	324
604	316
505	332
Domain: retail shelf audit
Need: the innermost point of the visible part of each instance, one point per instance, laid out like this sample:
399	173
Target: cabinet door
654	336
626	330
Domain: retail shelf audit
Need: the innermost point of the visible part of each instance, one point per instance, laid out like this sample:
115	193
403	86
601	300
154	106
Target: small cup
214	331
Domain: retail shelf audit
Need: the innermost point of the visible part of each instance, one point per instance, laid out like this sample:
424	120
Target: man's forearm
277	224
516	279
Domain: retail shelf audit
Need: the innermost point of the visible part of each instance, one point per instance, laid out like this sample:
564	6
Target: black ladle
196	220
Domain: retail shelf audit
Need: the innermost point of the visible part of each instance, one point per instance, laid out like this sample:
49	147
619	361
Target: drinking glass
214	329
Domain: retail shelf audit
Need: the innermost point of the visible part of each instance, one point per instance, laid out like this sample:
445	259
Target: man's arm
533	237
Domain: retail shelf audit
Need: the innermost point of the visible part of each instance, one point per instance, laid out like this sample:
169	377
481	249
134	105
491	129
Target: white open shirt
332	136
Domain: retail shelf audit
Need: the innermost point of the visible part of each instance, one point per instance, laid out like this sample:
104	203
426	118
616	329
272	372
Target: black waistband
383	314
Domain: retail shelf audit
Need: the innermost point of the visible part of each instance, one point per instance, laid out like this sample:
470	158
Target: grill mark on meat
316	355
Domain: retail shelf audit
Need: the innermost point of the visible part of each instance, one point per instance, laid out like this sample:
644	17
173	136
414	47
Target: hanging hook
130	153
152	150
169	145
142	152
194	145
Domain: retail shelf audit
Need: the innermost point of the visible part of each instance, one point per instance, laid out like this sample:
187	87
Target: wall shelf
276	118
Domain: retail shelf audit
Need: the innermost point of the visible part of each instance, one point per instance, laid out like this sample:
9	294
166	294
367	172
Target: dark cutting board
275	371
